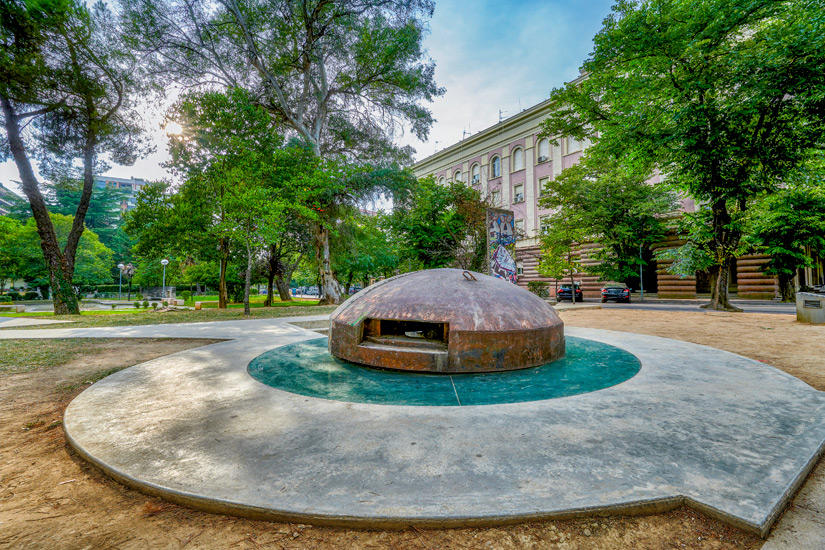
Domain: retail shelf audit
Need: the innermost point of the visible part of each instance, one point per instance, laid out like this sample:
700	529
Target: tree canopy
726	97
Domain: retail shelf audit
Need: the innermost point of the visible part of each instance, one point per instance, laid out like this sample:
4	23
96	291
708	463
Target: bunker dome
446	320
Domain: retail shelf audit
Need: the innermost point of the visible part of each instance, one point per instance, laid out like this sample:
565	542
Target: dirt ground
50	498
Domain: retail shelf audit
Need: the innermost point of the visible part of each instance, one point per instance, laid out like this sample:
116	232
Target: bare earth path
51	499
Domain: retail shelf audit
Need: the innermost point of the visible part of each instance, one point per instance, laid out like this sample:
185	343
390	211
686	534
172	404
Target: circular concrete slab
725	434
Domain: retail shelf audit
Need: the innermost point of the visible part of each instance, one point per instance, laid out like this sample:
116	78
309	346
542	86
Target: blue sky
490	56
505	56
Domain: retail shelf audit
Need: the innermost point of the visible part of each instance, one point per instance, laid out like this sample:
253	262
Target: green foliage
186	295
790	226
137	305
558	241
607	199
539	288
363	249
9	253
724	96
93	260
441	225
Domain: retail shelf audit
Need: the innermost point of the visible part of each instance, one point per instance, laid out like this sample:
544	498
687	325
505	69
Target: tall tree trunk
329	289
786	289
725	239
129	296
247	280
224	262
61	271
283	289
270	287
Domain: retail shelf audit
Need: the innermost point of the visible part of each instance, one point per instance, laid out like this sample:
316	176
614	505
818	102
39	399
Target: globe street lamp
120	267
164	262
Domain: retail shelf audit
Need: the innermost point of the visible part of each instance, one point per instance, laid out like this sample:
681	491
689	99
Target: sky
490	56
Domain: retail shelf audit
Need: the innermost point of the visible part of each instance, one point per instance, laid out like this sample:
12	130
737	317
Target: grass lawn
151	317
18	356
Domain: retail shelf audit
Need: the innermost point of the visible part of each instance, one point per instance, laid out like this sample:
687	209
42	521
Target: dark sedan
564	293
620	293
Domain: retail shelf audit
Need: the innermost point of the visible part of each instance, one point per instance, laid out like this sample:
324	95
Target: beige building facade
509	163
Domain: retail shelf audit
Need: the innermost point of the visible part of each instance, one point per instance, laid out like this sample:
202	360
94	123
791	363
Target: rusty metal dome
446	320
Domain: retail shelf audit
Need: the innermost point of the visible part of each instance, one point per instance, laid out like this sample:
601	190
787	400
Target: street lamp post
164	262
641	276
120	267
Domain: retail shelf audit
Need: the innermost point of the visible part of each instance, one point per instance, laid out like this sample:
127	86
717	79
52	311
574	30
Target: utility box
810	308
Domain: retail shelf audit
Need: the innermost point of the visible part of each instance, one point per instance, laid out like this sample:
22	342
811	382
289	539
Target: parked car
620	293
565	293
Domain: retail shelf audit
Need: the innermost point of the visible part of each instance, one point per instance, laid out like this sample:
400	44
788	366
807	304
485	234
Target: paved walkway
730	436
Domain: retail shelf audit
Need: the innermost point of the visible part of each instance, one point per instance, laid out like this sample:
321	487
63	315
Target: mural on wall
501	244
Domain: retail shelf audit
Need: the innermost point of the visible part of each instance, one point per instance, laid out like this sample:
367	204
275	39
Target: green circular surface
307	368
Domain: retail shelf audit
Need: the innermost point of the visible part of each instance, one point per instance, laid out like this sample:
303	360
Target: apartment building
510	164
7	199
130	188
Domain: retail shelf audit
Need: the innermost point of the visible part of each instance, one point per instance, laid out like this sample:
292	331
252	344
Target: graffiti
501	244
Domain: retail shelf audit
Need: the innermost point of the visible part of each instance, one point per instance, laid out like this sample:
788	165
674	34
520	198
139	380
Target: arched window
544	150
457	175
518	159
441	180
476	174
495	167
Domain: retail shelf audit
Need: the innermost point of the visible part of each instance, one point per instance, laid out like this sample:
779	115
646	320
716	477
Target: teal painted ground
307	368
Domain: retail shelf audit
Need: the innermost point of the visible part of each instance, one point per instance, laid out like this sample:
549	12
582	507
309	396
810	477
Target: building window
544	225
441	180
573	145
518	160
543	185
495	198
544	150
457	175
518	226
476	174
495	167
518	193
519	268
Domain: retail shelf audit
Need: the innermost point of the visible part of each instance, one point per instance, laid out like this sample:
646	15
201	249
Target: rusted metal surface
440	320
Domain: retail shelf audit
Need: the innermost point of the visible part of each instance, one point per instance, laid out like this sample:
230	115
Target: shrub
539	288
138	296
113	306
165	303
137	305
145	303
5	300
31	295
13	295
186	295
154	305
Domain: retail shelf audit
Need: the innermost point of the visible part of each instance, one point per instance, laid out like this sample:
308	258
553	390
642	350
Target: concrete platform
727	435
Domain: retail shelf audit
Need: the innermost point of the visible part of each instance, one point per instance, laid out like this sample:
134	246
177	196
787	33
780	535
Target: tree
442	225
558	242
724	96
608	200
363	248
64	68
790	225
93	260
345	76
242	184
9	256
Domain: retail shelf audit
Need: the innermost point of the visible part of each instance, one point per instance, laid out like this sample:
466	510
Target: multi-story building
7	199
510	165
130	188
